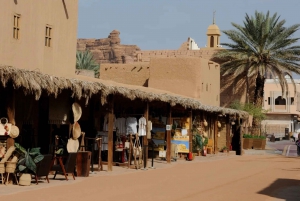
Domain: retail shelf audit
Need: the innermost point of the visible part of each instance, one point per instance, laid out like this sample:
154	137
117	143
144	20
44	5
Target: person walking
298	144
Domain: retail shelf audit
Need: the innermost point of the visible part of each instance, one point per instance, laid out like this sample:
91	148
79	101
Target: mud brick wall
134	73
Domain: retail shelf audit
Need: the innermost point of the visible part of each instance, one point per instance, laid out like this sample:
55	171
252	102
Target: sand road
241	178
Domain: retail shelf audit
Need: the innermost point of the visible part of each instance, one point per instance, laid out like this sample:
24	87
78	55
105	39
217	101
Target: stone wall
110	49
134	73
232	89
145	55
188	76
177	75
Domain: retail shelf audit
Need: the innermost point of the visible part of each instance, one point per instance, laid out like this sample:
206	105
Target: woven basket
25	180
10	167
2	168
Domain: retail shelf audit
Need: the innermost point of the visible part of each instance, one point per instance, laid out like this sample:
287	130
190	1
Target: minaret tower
213	35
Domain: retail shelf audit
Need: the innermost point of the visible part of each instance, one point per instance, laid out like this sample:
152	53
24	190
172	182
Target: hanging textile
142	126
105	123
121	125
131	124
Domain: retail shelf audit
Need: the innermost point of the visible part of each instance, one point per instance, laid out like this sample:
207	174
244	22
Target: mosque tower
213	35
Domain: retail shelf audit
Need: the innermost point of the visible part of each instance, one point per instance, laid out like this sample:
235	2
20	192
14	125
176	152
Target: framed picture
177	123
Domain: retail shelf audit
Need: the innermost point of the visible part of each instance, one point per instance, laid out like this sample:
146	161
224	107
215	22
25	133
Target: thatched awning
35	82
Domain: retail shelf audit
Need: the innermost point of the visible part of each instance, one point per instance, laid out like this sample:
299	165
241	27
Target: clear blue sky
166	24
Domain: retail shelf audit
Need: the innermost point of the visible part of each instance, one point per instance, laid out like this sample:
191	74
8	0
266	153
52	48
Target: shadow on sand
287	189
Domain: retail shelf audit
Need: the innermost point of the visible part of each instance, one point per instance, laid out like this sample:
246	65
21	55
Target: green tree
257	112
84	60
262	45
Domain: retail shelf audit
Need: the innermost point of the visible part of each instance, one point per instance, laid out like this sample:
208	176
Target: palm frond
261	44
85	60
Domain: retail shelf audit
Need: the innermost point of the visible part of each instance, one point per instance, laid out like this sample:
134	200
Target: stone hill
109	50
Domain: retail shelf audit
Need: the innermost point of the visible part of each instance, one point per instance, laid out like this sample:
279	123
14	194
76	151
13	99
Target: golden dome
213	29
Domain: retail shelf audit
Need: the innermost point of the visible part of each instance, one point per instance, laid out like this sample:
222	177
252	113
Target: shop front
128	119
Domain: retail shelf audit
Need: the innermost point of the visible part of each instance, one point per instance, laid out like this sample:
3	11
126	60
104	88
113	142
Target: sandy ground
242	178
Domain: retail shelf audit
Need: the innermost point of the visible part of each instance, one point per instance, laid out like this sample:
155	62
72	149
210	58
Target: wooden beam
10	113
216	129
190	132
146	115
169	135
110	132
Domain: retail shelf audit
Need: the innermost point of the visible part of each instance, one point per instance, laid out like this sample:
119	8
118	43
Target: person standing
298	145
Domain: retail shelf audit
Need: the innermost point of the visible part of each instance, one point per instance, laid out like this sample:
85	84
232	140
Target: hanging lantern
219	124
204	134
205	123
219	134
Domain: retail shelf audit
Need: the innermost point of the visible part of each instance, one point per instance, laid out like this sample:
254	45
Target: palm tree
263	45
84	60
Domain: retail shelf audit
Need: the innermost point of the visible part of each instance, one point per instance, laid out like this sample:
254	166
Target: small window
292	100
269	100
48	36
16	30
280	101
211	41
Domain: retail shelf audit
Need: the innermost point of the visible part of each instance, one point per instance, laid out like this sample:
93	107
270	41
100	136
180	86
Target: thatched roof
35	82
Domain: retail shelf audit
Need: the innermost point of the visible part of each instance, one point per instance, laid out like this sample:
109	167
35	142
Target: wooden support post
110	132
99	143
191	133
228	126
146	115
216	130
130	151
10	113
169	134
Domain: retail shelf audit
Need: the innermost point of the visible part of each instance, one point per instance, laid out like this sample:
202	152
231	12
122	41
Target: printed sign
182	143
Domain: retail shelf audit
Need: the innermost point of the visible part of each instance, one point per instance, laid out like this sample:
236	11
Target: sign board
162	154
182	143
168	127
